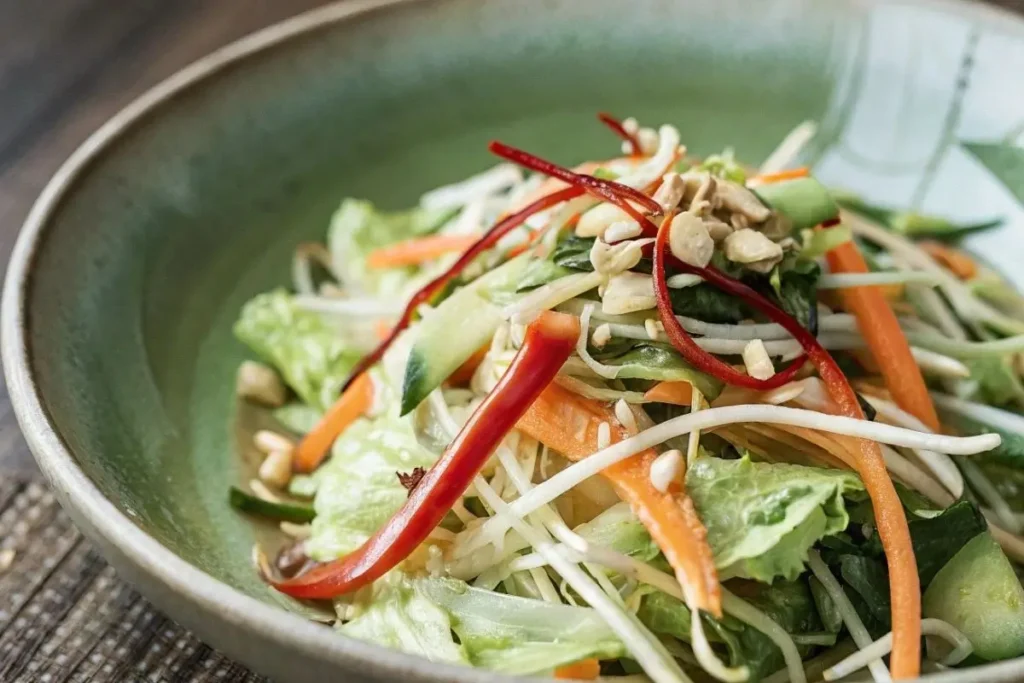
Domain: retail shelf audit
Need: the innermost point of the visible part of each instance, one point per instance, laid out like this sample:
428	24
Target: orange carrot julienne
583	670
954	260
884	338
778	176
464	372
419	250
569	424
349	407
676	393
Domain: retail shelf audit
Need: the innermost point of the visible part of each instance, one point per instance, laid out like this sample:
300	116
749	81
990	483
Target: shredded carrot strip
583	670
419	250
954	260
569	424
676	393
884	338
788	174
464	372
349	407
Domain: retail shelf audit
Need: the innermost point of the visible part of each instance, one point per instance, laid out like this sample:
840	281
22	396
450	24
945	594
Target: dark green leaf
705	302
1004	161
868	578
574	252
795	282
1009	482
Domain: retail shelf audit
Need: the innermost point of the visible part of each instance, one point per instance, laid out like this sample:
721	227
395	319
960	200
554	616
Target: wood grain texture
65	67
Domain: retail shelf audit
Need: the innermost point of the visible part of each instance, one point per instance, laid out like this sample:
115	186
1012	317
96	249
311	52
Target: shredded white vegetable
941	465
846	280
962	649
489	182
754	617
853	623
789	149
302	274
606	371
986	414
550	295
988	493
568	478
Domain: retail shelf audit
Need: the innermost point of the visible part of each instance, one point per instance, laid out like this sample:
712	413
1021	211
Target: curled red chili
622	196
549	342
620	130
688	348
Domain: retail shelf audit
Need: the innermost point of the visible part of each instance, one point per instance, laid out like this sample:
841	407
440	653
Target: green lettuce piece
398	615
298	417
619	529
540	273
518	635
762	518
998	382
817	243
724	166
358	228
664	364
788	603
358	489
311	356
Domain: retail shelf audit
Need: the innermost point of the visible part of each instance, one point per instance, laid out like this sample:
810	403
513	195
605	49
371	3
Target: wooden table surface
65	67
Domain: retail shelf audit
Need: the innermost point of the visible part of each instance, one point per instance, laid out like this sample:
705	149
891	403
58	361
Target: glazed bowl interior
194	207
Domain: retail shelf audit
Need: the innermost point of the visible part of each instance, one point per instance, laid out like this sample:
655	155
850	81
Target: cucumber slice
463	323
979	593
804	201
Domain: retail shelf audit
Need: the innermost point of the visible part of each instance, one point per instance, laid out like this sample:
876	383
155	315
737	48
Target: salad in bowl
654	417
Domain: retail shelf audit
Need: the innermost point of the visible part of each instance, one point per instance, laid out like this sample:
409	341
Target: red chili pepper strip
684	343
904	584
620	130
326	431
609	190
550	340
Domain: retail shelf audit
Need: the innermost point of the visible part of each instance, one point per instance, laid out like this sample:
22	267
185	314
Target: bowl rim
111	527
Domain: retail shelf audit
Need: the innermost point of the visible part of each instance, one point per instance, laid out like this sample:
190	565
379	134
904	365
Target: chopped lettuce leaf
762	518
619	529
573	252
540	273
298	417
664	364
724	166
312	357
398	615
358	228
518	635
787	603
358	489
998	383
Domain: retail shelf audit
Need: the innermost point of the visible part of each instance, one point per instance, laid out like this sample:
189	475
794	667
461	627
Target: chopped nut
602	335
622	230
267	442
689	240
752	249
653	328
649	141
610	259
260	383
604	435
739	199
776	227
628	292
666	469
670	192
624	414
594	222
756	359
683	280
718	230
6	558
276	469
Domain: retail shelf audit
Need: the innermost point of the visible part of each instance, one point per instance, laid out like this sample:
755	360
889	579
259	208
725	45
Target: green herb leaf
574	252
1004	161
282	512
664	364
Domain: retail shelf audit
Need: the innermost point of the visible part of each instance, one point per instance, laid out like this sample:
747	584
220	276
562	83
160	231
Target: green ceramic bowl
135	260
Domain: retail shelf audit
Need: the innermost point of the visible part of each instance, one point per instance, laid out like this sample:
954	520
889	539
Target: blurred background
65	67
